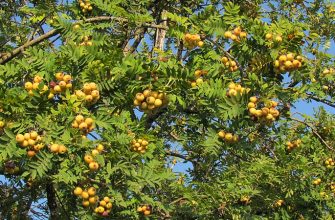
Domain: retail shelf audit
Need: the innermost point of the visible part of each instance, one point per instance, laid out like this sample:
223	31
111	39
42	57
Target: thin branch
314	132
227	54
19	50
324	101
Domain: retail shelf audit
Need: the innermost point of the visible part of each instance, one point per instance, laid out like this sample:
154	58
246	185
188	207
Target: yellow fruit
54	148
158	103
19	138
279	39
109	205
228	136
102	203
227	34
106	199
37	79
290	56
57	89
222	134
150	100
232	92
144	106
200	43
92	200
100	147
139	209
253	111
95	152
282	58
224	59
83	126
233	37
237	31
77	191
26	136
139	97
51	96
146	212
85	195
33	135
199	81
93	166
24	143
31	142
146	93
89	121
277	63
325	87
88	158
28	86
253	99
268	36
251	105
59	76
62	149
92	191
243	34
288	64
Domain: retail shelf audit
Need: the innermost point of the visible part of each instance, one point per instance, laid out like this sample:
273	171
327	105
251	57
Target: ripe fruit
91	191
139	145
192	40
150	100
146	212
77	191
234	89
268	36
287	62
100	147
85	203
93	166
230	64
19	138
85	195
54	148
88	159
31	153
236	35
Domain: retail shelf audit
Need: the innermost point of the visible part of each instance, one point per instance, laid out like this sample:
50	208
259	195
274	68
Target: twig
315	133
54	32
226	53
325	101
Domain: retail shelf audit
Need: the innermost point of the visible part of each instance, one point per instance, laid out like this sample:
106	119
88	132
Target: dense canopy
178	109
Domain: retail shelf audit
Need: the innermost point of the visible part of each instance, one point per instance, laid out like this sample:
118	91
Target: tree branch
314	132
324	101
19	50
52	203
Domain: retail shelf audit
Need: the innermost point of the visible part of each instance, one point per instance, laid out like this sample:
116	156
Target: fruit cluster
288	62
139	145
57	148
92	164
85	5
199	74
98	150
317	181
268	113
86	125
234	89
64	81
229	137
86	41
327	72
293	144
231	64
89	196
236	35
150	100
278	38
330	163
31	141
145	209
104	207
89	93
30	86
192	40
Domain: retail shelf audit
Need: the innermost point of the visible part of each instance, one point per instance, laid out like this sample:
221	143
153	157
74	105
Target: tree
99	100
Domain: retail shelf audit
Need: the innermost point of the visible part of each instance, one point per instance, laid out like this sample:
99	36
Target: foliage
221	91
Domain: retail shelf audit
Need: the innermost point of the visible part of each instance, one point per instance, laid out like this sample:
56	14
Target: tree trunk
52	203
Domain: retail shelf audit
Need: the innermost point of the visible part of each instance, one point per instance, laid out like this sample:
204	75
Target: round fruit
89	121
28	85
31	153
158	103
93	166
92	200
78	191
88	158
19	138
146	212
228	136
95	152
62	149
85	203
83	126
54	148
26	136
106	199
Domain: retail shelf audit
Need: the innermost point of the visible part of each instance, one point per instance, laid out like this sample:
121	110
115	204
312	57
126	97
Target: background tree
100	99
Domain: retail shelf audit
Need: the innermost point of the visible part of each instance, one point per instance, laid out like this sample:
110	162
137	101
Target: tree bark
52	203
